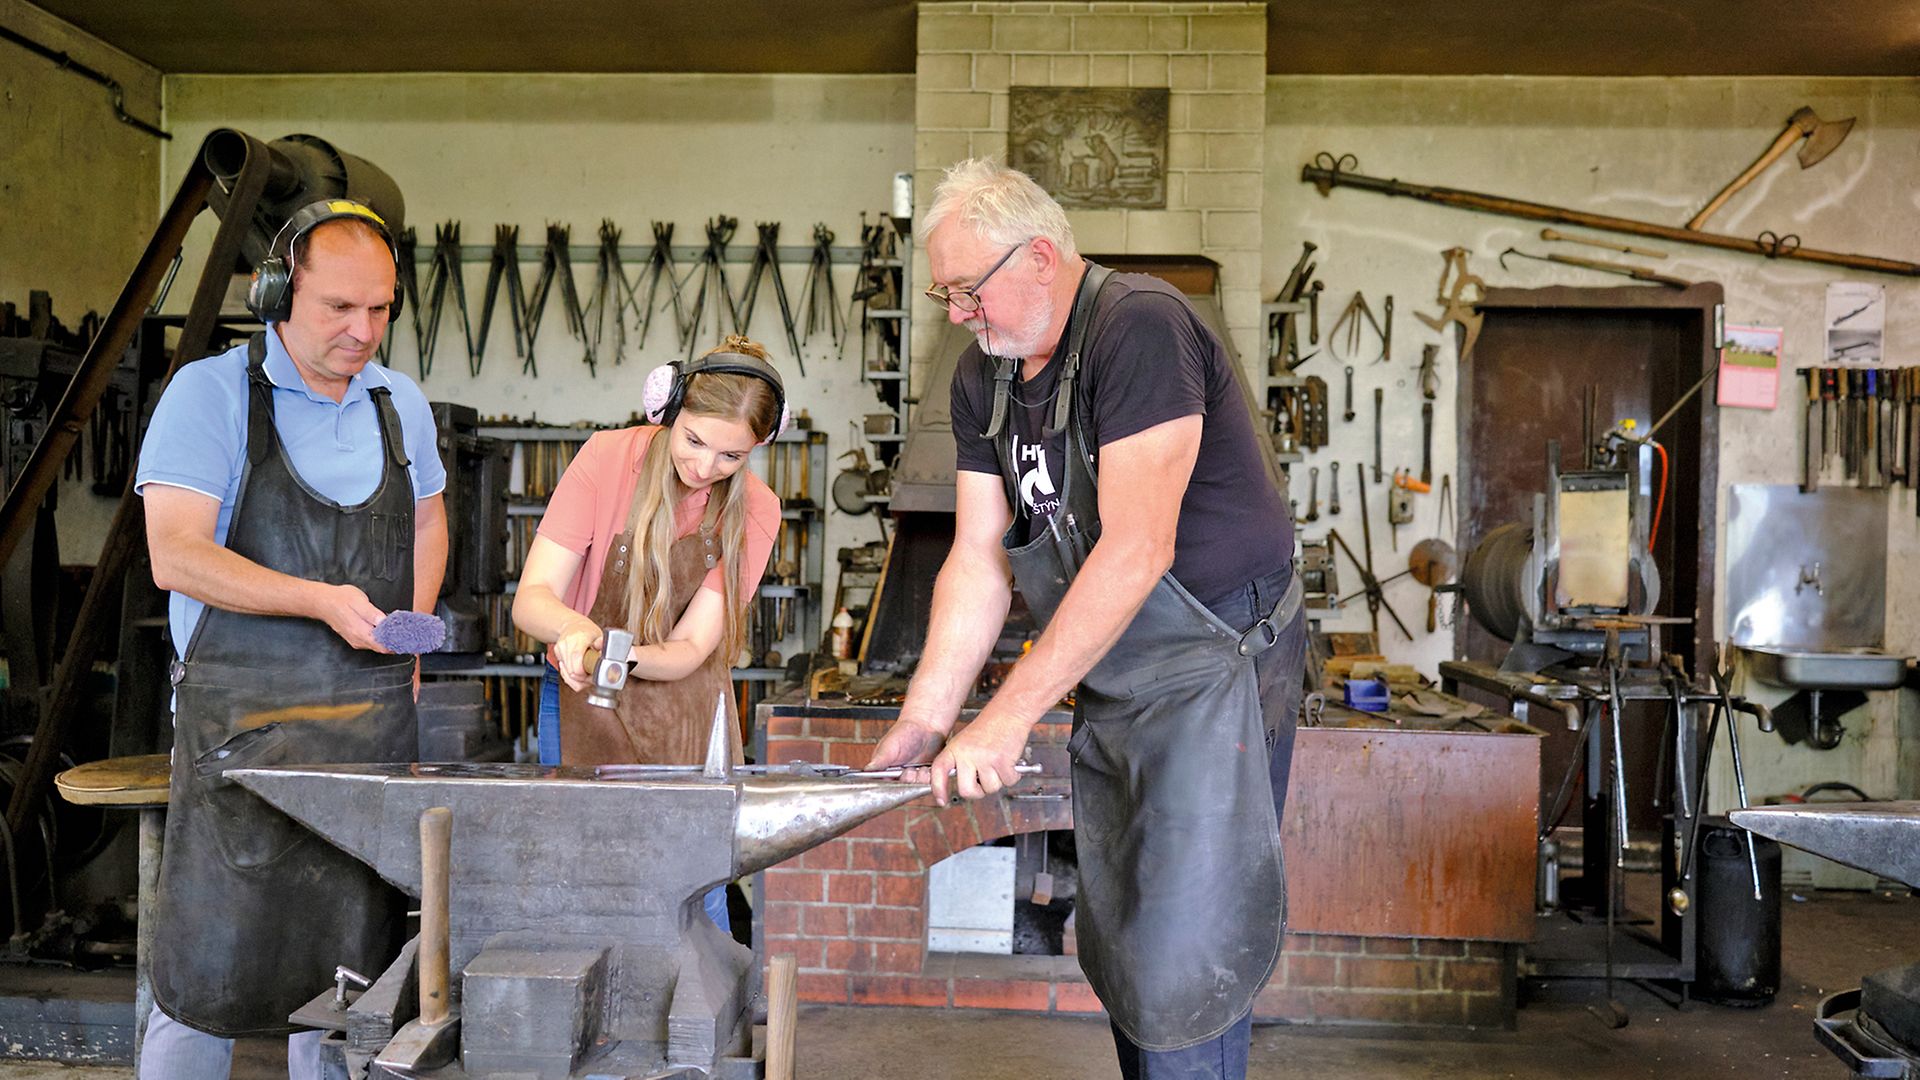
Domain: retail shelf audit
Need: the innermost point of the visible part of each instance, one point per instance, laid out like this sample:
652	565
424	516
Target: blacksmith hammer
1822	138
608	666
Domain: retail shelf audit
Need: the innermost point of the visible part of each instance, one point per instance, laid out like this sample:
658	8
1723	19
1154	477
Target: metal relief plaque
1091	148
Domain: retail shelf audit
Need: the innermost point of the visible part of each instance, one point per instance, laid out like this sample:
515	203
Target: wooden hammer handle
436	841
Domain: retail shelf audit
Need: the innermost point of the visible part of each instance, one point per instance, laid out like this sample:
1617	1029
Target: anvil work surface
1830	940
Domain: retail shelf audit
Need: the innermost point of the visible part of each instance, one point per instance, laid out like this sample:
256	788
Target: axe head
1823	136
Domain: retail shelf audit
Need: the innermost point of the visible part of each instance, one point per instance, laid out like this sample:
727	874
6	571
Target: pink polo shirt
591	504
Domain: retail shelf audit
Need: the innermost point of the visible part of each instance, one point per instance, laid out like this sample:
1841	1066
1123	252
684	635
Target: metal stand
1602	938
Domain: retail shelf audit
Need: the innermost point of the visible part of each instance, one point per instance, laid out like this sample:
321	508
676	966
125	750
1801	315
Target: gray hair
1001	206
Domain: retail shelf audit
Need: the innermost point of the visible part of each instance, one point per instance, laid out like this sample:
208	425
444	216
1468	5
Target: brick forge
853	914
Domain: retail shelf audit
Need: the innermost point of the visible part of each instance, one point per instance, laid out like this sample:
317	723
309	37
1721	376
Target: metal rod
1327	179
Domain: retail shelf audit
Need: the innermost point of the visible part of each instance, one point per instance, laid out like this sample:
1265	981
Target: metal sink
1841	669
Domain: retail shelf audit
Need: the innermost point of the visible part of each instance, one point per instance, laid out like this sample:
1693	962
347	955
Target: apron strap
260	432
1079	324
1265	634
390	429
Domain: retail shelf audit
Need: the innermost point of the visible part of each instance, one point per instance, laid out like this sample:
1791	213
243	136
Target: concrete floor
1830	940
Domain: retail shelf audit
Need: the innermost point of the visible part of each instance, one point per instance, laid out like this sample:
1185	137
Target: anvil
1879	837
578	941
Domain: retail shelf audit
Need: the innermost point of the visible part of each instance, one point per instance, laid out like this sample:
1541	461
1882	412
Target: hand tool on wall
1810	467
1456	306
1376	595
1429	374
1608	245
1399	506
1282	329
1379	413
817	298
1350	318
556	263
1348	415
660	267
1314	434
1426	442
406	249
1333	492
1884	470
1822	138
713	288
1637	273
504	265
1433	564
444	271
1829	414
766	260
1443	518
1313	494
612	294
1313	312
1870	426
1386	332
1325	178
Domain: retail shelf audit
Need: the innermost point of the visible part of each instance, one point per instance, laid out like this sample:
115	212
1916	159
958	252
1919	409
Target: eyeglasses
966	298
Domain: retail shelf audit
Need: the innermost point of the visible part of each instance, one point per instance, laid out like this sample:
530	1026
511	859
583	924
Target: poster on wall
1091	147
1856	323
1750	367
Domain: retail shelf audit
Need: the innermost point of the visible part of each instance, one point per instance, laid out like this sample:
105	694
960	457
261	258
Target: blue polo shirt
198	440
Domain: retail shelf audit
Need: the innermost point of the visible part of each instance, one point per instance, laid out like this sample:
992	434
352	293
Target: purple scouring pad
410	632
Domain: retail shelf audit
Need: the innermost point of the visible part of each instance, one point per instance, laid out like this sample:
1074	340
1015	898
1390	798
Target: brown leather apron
652	722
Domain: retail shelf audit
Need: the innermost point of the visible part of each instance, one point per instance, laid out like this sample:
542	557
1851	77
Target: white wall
1653	149
534	149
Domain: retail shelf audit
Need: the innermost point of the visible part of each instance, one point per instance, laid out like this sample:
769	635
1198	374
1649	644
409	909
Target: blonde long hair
651	604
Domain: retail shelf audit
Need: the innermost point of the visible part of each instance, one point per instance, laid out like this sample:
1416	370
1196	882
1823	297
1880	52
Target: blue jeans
547	737
174	1051
1223	1057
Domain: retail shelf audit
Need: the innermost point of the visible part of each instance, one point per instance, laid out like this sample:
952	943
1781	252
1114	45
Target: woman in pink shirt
660	529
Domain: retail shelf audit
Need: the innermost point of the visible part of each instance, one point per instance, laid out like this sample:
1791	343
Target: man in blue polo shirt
292	490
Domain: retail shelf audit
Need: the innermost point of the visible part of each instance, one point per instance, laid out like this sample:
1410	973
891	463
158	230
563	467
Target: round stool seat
139	780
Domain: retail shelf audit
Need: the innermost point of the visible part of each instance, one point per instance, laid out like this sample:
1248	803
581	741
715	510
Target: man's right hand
350	614
908	742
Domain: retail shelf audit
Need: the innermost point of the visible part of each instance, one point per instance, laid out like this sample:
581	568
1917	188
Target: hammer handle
436	840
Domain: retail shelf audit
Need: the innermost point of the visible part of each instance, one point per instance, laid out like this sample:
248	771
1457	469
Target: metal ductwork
302	169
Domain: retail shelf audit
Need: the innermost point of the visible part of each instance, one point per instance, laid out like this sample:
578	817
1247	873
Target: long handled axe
1822	138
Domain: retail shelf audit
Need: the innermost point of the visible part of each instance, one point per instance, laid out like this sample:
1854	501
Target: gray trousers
174	1051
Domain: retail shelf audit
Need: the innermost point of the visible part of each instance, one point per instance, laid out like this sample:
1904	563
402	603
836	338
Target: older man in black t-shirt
1108	465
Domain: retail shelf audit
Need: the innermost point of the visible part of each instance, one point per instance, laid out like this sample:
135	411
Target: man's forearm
1106	594
219	577
970	601
429	552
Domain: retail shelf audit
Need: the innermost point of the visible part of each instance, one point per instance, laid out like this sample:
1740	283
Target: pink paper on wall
1750	367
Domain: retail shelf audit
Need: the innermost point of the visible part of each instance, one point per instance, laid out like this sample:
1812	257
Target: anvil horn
1879	837
780	819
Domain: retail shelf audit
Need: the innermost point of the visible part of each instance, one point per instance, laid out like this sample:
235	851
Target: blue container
1367	695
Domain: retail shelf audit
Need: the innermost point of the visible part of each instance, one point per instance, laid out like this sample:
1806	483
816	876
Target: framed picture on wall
1092	148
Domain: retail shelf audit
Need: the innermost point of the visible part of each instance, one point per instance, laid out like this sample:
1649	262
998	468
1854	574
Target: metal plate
1776	537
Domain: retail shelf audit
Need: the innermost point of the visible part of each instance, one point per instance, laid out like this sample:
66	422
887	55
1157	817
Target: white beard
1018	343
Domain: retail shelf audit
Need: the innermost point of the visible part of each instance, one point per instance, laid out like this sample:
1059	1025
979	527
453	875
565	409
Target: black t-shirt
1148	359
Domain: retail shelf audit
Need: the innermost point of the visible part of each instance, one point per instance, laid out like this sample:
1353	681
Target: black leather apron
1182	897
255	910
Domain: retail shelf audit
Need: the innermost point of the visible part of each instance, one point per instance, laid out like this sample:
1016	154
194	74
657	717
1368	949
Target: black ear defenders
270	292
666	386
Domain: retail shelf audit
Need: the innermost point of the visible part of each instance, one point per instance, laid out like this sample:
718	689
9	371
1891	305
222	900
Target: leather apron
652	722
255	910
1182	898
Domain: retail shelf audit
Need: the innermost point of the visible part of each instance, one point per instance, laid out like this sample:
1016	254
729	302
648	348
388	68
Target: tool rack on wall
786	619
886	334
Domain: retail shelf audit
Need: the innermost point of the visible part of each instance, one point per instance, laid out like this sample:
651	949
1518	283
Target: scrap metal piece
1879	837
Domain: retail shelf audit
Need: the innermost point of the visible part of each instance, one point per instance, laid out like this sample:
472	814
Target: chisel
1830	418
1379	408
1887	430
1810	475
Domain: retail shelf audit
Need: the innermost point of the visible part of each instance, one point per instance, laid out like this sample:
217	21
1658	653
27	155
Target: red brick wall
852	913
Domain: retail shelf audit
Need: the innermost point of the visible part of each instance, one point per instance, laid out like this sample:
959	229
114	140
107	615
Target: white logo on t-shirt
1036	483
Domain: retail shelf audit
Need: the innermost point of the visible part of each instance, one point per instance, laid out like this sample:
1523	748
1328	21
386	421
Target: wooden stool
138	783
